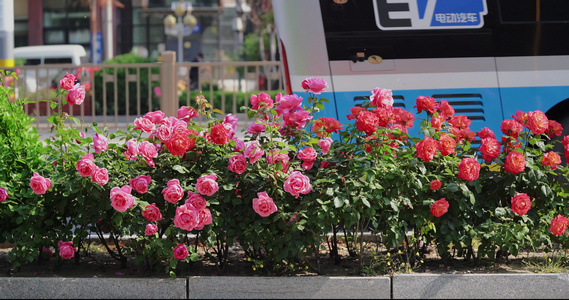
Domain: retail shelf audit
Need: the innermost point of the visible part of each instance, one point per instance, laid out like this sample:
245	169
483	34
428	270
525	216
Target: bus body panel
305	44
513	62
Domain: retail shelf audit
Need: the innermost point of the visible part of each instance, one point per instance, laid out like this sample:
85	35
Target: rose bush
293	178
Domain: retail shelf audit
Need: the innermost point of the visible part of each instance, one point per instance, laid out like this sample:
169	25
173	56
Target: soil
96	262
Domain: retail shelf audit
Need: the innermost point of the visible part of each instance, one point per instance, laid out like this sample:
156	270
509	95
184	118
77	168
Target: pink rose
381	98
173	192
264	205
204	219
68	81
39	184
100	176
256	128
186	113
186	217
100	142
276	156
144	124
152	213
196	200
207	185
296	184
314	85
231	119
76	95
121	199
3	194
239	145
86	166
155	116
308	156
140	183
151	229
262	100
180	252
325	144
287	104
66	249
131	149
253	151
237	164
148	151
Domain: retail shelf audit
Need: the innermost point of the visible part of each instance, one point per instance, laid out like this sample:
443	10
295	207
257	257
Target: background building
130	24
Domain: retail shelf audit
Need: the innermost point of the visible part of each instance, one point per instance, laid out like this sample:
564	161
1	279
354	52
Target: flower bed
283	187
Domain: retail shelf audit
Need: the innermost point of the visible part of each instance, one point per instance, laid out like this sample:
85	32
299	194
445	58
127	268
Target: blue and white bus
487	58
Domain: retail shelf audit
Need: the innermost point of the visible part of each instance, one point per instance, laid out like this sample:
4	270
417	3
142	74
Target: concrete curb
408	286
289	287
92	288
481	286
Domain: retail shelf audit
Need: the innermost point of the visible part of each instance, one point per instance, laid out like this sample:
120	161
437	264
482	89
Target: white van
51	54
43	77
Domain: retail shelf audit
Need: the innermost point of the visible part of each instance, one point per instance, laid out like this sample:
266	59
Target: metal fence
117	94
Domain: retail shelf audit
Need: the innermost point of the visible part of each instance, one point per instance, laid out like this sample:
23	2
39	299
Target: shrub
282	188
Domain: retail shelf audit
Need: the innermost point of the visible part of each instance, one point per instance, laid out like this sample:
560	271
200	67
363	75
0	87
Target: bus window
58	60
32	62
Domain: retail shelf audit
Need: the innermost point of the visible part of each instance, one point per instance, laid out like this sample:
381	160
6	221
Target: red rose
426	103
427	148
554	128
486	133
460	121
490	148
220	133
468	169
559	225
521	203
445	108
367	122
515	162
440	207
447	145
179	143
551	159
511	128
537	122
436	184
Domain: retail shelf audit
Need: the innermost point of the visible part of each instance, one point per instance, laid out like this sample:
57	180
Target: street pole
94	30
180	26
7	33
109	41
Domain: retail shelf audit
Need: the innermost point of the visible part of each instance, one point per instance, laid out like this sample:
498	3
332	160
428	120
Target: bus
487	58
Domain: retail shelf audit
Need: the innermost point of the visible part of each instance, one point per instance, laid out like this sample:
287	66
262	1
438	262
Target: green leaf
365	202
180	169
500	211
53	104
194	257
452	187
337	202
